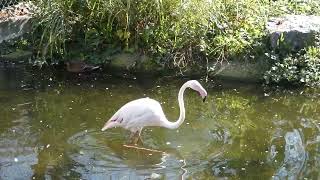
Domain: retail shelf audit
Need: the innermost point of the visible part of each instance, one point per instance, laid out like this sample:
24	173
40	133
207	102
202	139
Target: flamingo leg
139	136
134	137
136	140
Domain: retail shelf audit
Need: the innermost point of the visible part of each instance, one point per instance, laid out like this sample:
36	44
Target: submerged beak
107	126
104	128
204	99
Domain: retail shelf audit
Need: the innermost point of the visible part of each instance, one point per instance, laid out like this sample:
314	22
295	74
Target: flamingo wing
136	114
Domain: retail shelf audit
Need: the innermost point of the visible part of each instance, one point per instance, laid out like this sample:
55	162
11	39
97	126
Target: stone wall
15	21
297	31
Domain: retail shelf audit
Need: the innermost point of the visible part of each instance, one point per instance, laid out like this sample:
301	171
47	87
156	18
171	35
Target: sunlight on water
295	156
50	128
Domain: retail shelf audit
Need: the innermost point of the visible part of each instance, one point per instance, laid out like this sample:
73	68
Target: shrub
175	32
299	68
53	28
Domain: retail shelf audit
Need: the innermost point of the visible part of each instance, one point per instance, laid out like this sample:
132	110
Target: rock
146	64
298	30
16	20
134	62
17	56
243	71
295	157
123	61
14	27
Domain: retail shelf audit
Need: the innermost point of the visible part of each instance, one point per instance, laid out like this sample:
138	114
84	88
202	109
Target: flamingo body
137	114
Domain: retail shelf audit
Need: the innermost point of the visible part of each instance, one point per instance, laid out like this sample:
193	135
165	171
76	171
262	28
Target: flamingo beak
107	126
104	128
204	99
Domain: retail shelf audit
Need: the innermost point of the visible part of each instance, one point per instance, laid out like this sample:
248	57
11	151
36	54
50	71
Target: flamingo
144	112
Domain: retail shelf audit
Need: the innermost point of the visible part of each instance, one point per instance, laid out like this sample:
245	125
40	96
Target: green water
50	129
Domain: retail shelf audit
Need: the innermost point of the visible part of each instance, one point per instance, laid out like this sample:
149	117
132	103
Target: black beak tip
204	99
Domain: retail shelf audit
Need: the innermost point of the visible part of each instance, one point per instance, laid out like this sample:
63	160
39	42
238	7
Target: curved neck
175	125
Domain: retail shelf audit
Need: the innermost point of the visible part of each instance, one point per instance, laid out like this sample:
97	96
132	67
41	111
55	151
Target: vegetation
175	33
297	68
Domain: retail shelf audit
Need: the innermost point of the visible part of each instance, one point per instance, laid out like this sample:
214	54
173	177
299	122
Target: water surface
50	129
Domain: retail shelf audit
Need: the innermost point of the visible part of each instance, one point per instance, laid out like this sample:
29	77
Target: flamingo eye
113	120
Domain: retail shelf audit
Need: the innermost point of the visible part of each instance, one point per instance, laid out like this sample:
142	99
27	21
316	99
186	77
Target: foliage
288	66
176	31
280	7
8	47
53	28
177	34
303	67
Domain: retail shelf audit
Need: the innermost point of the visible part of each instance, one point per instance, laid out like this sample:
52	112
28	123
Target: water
50	129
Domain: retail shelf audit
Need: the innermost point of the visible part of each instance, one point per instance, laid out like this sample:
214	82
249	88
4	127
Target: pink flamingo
140	113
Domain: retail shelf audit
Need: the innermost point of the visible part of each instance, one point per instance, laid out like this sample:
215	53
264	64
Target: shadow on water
51	121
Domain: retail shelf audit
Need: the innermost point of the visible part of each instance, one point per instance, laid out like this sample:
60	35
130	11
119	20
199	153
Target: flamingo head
195	85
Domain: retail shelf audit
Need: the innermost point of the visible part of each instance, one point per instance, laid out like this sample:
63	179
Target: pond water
50	129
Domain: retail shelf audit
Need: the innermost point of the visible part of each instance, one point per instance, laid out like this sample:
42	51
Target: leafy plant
300	68
53	28
177	34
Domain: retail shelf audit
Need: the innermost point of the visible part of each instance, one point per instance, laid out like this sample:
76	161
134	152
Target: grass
177	34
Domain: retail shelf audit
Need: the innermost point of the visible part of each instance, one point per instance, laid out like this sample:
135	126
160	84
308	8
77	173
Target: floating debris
155	176
273	152
23	104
